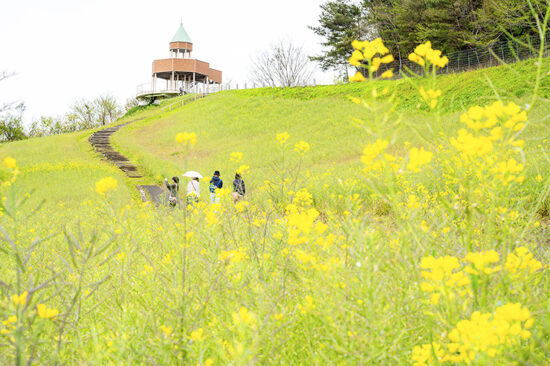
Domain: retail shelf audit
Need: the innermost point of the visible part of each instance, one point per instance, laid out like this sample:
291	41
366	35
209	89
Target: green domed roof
181	35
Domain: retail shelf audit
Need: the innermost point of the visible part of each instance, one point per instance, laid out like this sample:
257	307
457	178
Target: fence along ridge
507	51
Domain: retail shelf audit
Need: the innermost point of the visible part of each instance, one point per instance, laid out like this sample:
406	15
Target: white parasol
192	174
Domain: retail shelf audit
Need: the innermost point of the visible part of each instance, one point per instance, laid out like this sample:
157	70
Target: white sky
66	50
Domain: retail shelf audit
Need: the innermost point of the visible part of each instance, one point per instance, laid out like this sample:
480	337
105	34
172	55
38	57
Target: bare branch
283	64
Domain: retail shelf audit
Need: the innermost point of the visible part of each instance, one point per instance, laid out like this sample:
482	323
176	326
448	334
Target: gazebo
181	73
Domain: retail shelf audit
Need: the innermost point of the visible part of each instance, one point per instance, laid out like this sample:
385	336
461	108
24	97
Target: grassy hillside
247	121
389	237
61	169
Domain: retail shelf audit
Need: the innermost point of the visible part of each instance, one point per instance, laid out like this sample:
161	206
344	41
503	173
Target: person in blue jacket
215	183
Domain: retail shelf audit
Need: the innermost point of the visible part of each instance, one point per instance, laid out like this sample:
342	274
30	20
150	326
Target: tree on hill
11	119
107	109
283	64
403	24
451	25
340	22
83	114
501	18
11	125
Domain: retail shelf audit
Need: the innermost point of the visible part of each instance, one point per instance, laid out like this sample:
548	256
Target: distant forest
451	25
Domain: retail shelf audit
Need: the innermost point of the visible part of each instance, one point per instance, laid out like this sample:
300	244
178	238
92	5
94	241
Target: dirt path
101	141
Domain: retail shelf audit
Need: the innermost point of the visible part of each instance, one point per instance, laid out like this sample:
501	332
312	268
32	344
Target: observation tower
180	73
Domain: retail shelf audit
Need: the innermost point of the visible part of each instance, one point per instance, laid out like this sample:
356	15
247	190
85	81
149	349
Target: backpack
172	200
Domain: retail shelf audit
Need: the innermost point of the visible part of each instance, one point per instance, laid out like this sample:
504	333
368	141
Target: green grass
61	169
247	121
283	277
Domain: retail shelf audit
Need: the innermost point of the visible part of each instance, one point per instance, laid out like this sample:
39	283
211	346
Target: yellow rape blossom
301	147
442	276
282	137
45	312
365	55
166	330
418	158
106	184
243	169
424	355
10	163
197	335
424	53
521	260
482	262
371	152
186	138
430	96
485	333
245	317
20	299
470	145
357	77
236	157
388	74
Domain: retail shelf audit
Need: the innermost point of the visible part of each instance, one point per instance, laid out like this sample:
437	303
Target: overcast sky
66	50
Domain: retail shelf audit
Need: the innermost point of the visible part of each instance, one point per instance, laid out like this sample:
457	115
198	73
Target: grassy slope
62	168
247	120
356	318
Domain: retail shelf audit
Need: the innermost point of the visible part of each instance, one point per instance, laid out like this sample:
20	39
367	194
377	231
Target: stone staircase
100	140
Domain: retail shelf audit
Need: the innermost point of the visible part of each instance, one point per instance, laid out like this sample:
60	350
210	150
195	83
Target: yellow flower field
386	236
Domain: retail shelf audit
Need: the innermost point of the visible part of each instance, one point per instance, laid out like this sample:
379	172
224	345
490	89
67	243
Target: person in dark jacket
173	190
239	189
215	183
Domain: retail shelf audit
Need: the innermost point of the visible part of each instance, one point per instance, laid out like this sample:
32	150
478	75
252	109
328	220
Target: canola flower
233	256
245	317
282	137
424	55
188	139
236	157
488	334
483	336
424	355
510	116
8	178
197	335
370	154
358	77
430	96
482	262
442	275
166	330
521	260
45	312
10	163
365	56
301	147
242	169
20	299
106	184
388	74
470	145
418	158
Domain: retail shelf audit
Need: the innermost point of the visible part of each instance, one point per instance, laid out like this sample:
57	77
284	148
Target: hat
237	176
217	172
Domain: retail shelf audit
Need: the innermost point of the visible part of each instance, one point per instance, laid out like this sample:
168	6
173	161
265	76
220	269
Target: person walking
215	183
238	188
193	191
173	189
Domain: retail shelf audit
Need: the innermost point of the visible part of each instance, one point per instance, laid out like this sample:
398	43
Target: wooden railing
180	103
